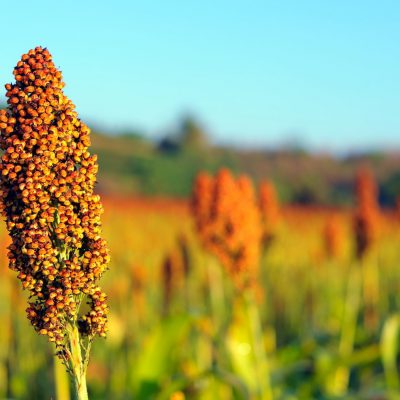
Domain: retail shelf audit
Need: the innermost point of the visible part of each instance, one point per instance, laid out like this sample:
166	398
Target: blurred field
179	330
131	164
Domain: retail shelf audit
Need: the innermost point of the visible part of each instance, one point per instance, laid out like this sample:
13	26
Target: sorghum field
200	200
319	322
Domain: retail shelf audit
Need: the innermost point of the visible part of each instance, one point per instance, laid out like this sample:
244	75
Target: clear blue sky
326	72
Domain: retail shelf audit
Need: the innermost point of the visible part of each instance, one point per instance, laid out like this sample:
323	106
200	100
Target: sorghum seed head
366	216
52	213
228	222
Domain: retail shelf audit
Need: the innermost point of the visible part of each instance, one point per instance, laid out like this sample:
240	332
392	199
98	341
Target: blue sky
255	73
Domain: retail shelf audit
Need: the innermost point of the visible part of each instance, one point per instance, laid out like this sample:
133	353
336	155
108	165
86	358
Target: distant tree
192	135
189	136
168	145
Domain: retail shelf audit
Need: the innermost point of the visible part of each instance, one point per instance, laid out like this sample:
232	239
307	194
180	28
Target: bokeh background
303	95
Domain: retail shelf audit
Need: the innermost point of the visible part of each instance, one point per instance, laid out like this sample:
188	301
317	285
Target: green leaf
156	358
239	344
389	349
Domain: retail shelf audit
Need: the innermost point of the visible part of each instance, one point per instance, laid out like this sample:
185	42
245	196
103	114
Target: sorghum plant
366	217
363	281
366	226
229	225
269	207
174	272
51	211
228	222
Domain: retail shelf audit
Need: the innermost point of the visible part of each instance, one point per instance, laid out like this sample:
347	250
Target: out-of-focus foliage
130	163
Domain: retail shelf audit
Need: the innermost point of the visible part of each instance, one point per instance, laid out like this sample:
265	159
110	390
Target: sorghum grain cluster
51	211
228	222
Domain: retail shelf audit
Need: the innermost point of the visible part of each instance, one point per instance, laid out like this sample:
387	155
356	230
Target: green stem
61	381
77	364
260	354
389	352
216	293
370	277
339	383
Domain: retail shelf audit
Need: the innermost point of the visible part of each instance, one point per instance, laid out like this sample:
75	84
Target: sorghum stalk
366	227
339	381
51	211
365	224
61	381
229	225
366	216
174	274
